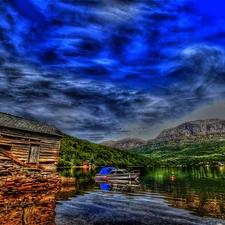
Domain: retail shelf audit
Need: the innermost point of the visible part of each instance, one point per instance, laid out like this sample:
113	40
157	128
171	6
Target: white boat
113	173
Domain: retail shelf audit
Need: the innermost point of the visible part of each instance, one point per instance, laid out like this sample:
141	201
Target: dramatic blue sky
109	69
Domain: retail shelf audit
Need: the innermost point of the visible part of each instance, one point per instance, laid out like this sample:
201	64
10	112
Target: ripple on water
105	208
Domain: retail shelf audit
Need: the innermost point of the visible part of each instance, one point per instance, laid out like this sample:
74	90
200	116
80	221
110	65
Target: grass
213	151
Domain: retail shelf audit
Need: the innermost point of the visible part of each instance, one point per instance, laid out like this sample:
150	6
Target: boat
113	173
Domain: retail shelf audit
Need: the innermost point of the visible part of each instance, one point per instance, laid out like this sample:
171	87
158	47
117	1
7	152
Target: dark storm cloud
93	67
64	102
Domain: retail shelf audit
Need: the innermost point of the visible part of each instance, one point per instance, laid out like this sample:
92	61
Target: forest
74	151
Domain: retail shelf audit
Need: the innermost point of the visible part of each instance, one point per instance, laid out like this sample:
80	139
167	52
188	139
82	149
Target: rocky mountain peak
193	128
125	143
190	129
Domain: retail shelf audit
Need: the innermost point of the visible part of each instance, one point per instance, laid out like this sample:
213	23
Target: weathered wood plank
21	142
49	160
12	157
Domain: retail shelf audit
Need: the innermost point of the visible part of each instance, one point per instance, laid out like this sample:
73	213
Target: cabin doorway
34	154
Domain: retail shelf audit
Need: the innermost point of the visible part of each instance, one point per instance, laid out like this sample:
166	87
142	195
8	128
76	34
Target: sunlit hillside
74	151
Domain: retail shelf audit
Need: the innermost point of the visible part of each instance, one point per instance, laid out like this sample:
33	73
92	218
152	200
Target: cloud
78	107
100	69
117	11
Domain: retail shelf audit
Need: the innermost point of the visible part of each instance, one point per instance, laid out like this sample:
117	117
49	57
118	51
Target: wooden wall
21	142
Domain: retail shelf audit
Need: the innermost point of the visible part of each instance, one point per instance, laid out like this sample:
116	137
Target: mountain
208	129
73	151
125	143
190	142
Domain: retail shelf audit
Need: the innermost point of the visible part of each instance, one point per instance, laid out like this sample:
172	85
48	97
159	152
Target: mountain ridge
124	143
208	129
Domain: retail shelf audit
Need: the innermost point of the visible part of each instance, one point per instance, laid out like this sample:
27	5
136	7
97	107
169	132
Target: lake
170	196
162	196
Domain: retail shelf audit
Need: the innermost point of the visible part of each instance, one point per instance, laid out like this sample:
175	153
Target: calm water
189	195
170	196
199	190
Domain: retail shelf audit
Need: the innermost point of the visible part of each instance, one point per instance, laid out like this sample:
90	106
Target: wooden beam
13	158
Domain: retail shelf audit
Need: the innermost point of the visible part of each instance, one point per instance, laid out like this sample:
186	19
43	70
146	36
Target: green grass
189	154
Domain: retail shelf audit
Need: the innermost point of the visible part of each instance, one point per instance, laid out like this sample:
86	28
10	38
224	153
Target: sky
109	69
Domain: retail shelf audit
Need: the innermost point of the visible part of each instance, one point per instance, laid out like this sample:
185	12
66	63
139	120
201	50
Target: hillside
73	151
192	142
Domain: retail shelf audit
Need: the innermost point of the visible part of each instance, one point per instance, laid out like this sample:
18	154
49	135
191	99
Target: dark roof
15	122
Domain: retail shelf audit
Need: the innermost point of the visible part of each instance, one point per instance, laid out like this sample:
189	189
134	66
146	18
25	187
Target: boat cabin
106	170
28	143
112	170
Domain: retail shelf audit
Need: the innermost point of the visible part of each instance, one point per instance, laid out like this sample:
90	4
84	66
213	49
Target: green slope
73	151
205	152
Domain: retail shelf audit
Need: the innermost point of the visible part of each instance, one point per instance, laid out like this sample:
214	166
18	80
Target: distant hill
191	142
125	143
74	150
208	129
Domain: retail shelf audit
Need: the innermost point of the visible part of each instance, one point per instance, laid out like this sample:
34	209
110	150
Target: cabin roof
15	122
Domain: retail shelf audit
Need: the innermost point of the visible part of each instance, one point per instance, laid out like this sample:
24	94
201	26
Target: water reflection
120	185
198	190
68	188
30	199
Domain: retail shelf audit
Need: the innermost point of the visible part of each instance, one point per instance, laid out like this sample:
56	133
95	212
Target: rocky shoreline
28	197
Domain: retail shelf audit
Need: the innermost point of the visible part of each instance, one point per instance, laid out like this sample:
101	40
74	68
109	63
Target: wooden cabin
28	143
